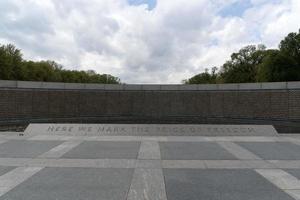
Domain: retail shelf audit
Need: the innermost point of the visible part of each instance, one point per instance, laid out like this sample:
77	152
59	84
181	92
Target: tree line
256	63
14	67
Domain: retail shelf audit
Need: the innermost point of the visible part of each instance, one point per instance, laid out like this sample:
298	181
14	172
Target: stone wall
263	103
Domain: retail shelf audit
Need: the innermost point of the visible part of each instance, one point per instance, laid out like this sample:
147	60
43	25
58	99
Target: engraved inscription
150	130
99	129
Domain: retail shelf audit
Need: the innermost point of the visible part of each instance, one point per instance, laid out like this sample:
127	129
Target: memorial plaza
66	141
149	162
149	100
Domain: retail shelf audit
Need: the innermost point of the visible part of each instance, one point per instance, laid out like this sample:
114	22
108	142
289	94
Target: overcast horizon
144	41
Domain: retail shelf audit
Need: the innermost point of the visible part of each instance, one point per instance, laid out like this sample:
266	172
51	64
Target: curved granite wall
264	103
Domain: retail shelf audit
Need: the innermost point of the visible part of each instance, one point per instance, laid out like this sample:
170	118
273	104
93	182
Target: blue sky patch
236	9
151	3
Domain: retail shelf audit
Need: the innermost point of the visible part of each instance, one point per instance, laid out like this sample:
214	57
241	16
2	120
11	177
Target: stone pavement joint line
15	177
294	141
280	178
2	141
147	184
133	163
294	193
238	151
149	150
286	164
60	150
283	180
178	164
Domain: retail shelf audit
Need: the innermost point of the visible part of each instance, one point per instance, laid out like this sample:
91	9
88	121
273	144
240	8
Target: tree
243	65
282	64
290	46
10	62
204	78
256	64
278	66
13	67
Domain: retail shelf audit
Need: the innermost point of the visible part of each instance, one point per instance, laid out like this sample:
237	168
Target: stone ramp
149	130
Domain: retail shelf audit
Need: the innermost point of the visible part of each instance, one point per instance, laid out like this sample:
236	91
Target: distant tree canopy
258	64
204	78
14	67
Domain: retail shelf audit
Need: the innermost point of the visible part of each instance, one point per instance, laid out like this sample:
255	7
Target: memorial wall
277	104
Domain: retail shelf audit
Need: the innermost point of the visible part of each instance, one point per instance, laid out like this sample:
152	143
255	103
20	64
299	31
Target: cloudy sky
144	41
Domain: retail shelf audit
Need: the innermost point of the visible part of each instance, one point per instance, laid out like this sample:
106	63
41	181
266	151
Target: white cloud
172	42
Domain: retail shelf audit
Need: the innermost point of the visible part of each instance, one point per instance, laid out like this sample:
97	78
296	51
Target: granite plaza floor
41	167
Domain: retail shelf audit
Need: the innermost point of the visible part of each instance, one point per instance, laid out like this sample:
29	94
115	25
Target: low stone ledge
275	85
29	84
293	85
154	87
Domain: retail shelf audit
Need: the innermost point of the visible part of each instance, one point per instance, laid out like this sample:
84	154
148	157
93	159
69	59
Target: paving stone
14	161
3	141
102	150
226	164
25	148
238	151
280	178
198	164
5	169
273	150
294	172
112	167
286	164
211	184
193	151
60	150
147	184
149	150
151	164
260	164
15	177
294	193
74	183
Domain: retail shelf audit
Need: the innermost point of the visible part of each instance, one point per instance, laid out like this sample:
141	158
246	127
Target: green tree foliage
278	66
10	62
204	77
257	64
242	67
290	46
13	67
